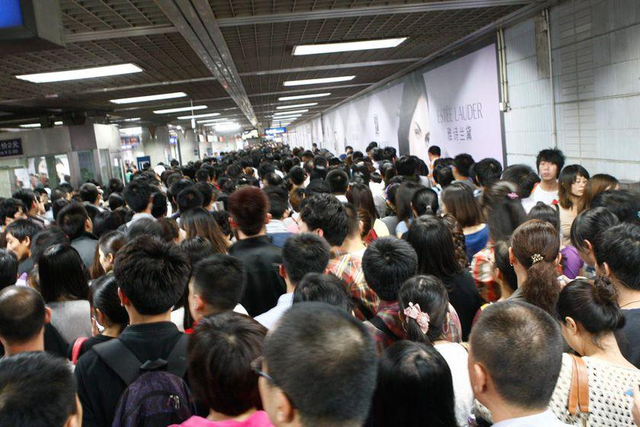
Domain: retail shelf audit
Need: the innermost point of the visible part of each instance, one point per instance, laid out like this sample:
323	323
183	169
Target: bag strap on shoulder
380	325
120	359
177	360
579	392
75	350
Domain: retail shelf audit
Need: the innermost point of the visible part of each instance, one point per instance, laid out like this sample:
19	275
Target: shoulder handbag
578	405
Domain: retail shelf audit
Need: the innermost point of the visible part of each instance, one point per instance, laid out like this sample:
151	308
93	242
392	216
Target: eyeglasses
256	366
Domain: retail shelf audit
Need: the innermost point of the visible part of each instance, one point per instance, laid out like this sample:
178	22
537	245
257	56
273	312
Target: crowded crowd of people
278	286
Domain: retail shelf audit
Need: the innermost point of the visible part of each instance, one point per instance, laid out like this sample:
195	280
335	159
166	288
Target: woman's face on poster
420	132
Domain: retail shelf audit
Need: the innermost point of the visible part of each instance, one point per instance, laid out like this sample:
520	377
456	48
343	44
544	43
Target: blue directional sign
11	14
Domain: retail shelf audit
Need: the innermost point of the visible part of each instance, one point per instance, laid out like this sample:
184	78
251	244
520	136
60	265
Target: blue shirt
476	241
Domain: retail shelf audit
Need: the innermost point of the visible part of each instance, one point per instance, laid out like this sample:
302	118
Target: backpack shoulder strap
177	360
379	324
120	359
77	347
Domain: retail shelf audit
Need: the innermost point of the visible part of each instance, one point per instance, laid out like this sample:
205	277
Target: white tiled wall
596	63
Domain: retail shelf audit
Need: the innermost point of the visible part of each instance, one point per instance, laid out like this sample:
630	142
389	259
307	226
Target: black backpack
156	395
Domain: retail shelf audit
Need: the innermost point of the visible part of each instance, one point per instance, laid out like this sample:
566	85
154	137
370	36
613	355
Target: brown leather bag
579	392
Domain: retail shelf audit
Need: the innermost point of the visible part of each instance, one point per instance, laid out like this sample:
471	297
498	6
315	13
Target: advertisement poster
464	106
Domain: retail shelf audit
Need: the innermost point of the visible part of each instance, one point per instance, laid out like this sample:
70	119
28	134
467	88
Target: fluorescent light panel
59	123
131	131
178	110
31	125
319	81
86	73
286	107
149	98
211	120
133	119
288	113
197	116
316	49
313	95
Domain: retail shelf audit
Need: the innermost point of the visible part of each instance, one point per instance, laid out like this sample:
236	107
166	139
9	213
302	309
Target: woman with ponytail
424	303
504	212
535	255
589	316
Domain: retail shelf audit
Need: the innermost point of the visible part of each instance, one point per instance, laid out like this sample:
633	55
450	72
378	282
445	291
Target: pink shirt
257	419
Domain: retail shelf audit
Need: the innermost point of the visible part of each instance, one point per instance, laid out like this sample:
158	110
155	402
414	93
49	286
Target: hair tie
422	319
536	258
513	196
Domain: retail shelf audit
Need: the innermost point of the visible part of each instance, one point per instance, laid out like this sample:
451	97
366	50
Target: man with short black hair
278	208
11	210
37	389
137	195
617	253
18	235
387	263
89	193
189	198
216	285
549	164
487	172
34	208
302	254
208	195
8	268
338	180
515	357
319	369
461	169
202	175
248	208
76	224
152	276
325	216
23	316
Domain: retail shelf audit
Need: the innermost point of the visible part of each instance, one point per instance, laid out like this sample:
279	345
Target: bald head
22	314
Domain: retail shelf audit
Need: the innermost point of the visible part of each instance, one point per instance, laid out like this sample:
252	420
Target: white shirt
342	198
271	317
540	195
457	358
546	419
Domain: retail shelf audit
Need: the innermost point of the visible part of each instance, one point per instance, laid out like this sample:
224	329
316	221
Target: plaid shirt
348	267
389	313
482	272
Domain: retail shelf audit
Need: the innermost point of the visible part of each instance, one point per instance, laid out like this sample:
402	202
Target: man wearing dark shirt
152	276
248	208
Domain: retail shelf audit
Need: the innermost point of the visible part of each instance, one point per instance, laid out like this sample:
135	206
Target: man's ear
480	379
286	413
47	315
268	219
512	257
607	269
124	301
282	271
27	241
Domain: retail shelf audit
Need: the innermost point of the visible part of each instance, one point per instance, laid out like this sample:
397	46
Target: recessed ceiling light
87	73
319	81
313	95
315	49
197	116
288	113
31	125
149	98
286	107
177	110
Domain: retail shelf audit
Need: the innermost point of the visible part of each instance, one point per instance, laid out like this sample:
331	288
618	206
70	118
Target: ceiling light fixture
59	123
131	131
313	95
212	120
133	119
288	113
319	81
316	49
87	73
178	110
197	116
149	98
286	107
31	125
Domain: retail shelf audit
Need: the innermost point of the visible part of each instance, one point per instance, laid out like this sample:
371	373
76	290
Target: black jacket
86	247
263	284
99	388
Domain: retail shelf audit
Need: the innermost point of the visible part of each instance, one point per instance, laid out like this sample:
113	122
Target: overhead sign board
173	140
276	131
11	147
11	15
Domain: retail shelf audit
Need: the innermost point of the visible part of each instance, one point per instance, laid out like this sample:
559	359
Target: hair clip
422	319
512	196
536	258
